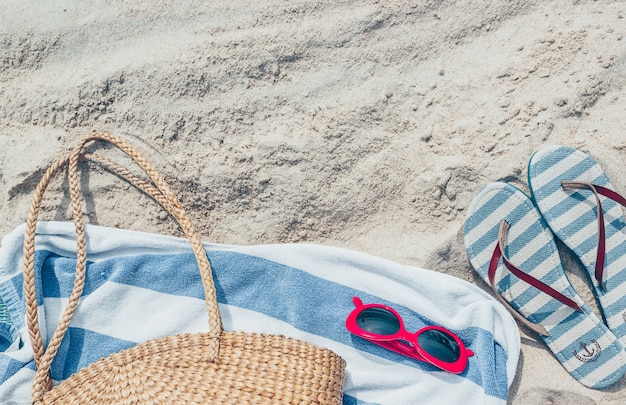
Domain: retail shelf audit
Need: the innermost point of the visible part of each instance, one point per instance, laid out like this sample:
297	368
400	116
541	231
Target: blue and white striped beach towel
142	286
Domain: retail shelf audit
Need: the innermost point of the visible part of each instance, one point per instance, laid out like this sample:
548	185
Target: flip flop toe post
511	247
582	208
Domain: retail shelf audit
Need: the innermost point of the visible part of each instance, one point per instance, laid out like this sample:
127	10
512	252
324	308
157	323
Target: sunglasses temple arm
401	348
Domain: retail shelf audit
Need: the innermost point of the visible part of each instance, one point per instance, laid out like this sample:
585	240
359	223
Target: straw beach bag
213	367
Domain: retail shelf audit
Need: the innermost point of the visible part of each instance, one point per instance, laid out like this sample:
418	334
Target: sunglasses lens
378	321
440	345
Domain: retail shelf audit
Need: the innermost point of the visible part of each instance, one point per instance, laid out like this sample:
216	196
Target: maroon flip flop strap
597	190
499	253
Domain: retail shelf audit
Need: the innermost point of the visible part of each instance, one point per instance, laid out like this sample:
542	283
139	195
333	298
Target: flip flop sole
579	340
572	216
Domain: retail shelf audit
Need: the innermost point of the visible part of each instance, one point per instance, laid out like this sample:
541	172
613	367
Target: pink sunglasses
383	326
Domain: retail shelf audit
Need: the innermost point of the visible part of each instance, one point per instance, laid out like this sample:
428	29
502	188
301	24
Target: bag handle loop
159	190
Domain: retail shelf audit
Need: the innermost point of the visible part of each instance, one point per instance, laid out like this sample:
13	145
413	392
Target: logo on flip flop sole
588	352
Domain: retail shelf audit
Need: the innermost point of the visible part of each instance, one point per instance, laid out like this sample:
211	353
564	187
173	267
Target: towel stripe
230	268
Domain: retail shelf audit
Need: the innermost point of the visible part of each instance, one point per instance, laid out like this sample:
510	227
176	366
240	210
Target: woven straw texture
251	369
215	367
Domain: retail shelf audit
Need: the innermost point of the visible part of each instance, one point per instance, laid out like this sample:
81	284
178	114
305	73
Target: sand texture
367	125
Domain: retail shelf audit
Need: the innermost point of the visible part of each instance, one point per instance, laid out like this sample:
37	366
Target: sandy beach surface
368	125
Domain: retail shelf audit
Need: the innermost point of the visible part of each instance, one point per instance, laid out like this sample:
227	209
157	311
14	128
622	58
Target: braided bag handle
159	190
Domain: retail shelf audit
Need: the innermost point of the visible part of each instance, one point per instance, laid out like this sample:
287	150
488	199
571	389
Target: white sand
367	125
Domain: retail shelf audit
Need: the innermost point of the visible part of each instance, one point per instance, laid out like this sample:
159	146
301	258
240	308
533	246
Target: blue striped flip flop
511	247
575	197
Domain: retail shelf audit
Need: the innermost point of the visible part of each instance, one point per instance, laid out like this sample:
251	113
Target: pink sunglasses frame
395	342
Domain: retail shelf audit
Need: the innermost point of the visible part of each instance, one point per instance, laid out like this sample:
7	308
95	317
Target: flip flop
577	200
511	247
